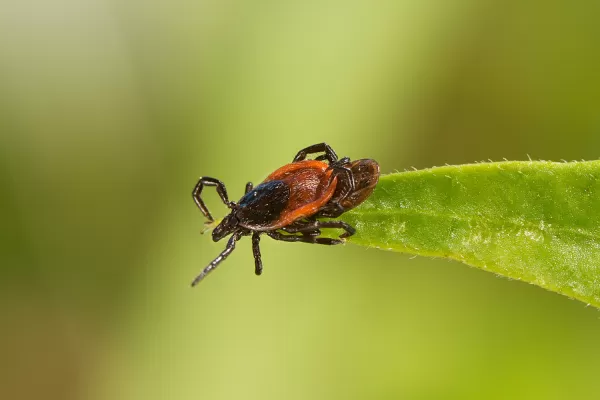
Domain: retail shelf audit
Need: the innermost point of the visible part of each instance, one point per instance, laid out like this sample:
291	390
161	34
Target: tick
286	205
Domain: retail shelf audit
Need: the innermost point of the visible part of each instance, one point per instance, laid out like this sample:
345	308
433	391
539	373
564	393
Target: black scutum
263	205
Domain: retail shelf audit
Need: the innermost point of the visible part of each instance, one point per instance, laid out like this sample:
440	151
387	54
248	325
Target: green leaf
535	221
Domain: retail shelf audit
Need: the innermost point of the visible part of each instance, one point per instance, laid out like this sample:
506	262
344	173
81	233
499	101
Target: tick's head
226	227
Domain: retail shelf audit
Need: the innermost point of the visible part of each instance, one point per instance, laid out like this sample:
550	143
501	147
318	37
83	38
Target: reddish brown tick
286	205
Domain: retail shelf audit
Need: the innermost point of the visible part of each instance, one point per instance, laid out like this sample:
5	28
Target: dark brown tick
286	205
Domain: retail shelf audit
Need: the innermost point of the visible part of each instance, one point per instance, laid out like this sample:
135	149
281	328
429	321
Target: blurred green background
111	110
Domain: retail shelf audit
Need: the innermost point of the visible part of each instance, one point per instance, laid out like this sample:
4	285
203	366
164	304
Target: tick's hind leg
306	238
317	148
256	251
215	263
331	210
206	181
346	185
310	227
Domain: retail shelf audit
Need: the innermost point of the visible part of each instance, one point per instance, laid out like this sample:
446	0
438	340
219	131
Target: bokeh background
111	110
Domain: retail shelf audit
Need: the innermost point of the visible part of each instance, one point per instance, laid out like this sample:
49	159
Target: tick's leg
256	251
215	263
339	225
307	231
331	210
345	187
249	187
312	226
342	161
317	148
206	181
306	227
344	177
303	238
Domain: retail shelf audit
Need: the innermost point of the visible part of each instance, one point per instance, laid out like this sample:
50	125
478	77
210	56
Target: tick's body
295	191
286	204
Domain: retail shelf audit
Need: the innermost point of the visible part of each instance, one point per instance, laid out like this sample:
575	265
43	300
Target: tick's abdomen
292	192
